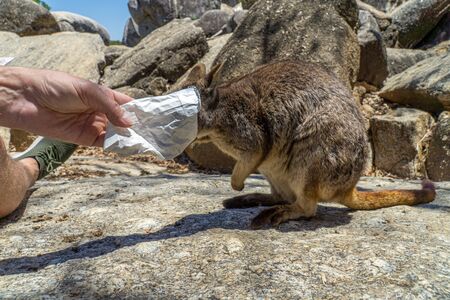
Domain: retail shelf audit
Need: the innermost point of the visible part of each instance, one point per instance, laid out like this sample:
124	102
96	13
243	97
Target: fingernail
127	121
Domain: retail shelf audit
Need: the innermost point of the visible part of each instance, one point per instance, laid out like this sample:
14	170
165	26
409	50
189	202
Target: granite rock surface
139	232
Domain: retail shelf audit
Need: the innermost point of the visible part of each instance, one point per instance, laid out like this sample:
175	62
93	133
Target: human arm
58	105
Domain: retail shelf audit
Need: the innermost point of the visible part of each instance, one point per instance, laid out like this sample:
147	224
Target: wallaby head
205	84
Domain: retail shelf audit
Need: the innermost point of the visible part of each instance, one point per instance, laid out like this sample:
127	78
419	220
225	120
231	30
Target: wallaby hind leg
252	200
276	215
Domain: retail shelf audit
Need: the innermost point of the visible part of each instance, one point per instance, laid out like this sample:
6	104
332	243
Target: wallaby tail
367	200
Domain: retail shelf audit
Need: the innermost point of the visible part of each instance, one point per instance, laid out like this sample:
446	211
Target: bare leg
15	179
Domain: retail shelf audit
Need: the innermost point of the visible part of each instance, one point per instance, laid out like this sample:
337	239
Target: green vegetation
43	4
115	43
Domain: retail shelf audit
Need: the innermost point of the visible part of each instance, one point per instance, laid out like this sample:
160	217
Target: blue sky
112	14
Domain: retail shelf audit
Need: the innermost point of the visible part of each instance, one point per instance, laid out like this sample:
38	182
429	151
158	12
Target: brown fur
300	127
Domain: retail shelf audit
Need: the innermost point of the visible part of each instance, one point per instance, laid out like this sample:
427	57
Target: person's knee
14	182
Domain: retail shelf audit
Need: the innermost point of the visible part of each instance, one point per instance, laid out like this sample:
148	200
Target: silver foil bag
163	125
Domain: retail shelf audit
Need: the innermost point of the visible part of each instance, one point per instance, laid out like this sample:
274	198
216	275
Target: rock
227	8
132	92
130	36
235	20
167	236
373	61
155	87
369	162
114	52
390	35
68	21
398	141
276	30
25	17
194	9
160	11
401	59
377	14
438	161
385	5
230	2
246	4
166	53
212	21
215	45
5	136
148	15
441	48
415	18
207	156
80	54
439	34
425	85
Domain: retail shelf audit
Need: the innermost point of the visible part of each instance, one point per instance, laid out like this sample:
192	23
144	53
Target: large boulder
401	59
132	92
275	30
398	141
25	17
130	35
425	85
415	18
194	9
439	34
148	15
300	30
212	21
80	54
114	52
373	62
215	46
385	5
68	21
438	161
164	55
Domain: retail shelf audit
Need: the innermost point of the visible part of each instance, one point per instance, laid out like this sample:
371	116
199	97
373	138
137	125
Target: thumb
104	100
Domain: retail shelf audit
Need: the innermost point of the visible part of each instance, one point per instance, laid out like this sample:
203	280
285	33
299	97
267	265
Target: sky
112	14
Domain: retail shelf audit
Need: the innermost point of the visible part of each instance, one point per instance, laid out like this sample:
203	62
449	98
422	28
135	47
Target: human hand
58	105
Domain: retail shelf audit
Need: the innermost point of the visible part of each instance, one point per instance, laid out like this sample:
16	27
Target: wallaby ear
197	73
214	76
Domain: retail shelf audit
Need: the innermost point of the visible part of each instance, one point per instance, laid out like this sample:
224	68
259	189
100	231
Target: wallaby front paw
237	186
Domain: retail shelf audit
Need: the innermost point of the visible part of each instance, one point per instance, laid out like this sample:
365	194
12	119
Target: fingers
100	140
121	98
104	100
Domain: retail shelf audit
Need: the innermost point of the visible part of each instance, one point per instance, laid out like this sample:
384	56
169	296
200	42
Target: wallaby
299	126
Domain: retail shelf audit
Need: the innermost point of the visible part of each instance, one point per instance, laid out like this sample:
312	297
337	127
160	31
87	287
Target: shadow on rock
18	213
187	226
